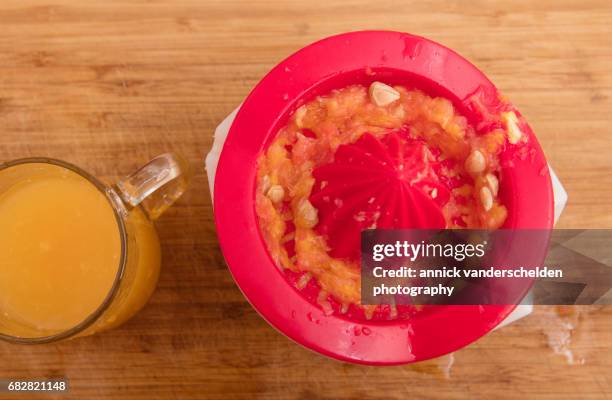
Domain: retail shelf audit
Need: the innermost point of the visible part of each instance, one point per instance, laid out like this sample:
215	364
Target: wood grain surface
109	84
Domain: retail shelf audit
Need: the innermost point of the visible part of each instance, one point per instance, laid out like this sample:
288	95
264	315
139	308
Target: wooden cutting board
110	84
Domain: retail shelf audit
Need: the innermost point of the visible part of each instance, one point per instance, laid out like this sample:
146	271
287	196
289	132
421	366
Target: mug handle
157	184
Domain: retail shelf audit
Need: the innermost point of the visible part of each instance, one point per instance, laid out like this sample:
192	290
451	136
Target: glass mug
78	256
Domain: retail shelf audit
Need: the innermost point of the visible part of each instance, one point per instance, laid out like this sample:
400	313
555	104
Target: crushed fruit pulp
457	174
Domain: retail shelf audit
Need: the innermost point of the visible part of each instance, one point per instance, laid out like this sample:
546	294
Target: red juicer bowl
333	63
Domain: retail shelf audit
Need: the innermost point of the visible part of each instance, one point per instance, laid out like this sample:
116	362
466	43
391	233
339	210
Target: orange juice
62	247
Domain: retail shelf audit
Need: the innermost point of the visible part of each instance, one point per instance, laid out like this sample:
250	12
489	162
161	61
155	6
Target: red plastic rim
335	62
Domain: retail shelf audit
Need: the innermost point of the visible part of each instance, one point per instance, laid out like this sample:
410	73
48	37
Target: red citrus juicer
368	185
332	63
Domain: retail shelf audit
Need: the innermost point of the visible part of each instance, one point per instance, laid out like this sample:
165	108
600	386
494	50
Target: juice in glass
78	256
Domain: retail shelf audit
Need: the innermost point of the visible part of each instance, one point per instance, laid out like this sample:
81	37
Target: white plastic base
212	159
